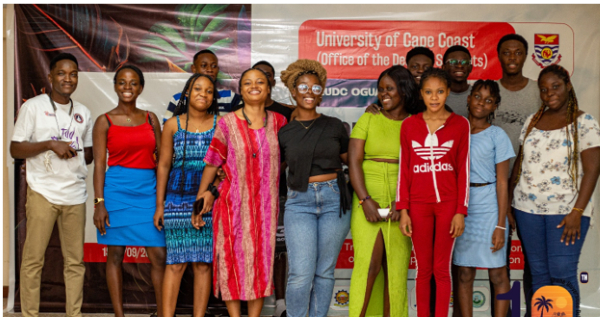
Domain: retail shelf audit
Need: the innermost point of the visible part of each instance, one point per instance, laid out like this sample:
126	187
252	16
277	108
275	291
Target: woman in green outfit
373	160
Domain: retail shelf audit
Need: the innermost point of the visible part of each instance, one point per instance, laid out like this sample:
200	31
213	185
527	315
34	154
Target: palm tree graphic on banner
543	303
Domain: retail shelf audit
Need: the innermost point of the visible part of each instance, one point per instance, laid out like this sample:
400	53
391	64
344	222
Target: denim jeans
551	262
314	234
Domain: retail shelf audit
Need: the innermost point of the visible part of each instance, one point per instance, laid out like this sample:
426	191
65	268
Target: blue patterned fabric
184	242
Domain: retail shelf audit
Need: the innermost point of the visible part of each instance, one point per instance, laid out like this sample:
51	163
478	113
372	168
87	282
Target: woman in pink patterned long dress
245	213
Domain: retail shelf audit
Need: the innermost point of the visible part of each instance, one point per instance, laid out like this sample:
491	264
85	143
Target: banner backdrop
354	43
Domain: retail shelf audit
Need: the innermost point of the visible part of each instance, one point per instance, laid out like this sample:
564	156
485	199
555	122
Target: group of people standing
428	171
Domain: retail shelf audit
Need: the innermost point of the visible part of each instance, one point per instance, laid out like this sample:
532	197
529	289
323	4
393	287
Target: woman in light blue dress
483	243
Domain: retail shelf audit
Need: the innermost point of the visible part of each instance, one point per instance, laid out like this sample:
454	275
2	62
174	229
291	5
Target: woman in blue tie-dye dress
186	138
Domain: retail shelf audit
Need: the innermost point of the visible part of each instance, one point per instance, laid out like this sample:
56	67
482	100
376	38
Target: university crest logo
546	50
342	298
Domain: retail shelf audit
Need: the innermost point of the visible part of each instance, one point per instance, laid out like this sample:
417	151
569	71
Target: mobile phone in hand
198	206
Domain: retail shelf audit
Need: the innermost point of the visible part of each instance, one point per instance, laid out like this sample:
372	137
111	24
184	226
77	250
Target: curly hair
302	67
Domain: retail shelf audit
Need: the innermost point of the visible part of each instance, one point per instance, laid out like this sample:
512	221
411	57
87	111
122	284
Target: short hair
456	48
406	86
302	67
435	72
63	56
263	62
244	73
515	37
420	51
492	86
133	68
202	52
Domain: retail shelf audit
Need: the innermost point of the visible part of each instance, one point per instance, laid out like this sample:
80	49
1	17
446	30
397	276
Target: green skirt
380	180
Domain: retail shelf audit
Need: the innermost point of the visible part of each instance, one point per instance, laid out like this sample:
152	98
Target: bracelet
360	202
577	209
213	190
499	227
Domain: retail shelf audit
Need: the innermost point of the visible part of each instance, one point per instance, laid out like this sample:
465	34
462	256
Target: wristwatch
98	200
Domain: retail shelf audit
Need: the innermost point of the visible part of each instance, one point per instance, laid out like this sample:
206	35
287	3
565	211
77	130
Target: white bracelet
499	227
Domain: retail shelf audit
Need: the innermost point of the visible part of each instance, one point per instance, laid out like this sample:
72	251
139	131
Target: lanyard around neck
56	116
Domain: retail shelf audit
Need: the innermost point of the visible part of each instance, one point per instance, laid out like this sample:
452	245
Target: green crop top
383	134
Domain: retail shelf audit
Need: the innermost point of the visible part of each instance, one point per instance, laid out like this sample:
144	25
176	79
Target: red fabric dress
245	214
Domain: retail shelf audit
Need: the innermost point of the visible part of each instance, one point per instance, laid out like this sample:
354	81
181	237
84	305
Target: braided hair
572	134
183	108
494	89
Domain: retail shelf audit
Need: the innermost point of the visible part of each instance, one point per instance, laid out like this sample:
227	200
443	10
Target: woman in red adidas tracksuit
433	188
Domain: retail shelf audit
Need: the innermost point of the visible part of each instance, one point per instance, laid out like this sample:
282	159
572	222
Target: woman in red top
126	193
433	188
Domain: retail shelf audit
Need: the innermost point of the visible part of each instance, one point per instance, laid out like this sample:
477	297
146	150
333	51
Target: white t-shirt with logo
60	181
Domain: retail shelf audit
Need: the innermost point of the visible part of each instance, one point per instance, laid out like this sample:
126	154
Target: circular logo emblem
341	298
78	118
547	53
478	299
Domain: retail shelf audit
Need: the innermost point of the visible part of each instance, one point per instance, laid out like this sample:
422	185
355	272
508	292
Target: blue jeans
314	234
551	262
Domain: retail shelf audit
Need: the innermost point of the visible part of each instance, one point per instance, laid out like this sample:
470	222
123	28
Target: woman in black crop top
314	146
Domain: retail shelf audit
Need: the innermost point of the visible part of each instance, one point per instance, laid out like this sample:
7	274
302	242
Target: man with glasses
457	63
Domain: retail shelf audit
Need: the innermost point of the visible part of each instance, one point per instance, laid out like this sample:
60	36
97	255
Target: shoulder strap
108	118
148	117
215	121
178	123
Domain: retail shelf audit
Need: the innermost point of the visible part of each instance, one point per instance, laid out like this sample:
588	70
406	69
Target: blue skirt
130	200
473	248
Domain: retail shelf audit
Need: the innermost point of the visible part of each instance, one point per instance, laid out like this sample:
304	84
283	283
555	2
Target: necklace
56	117
306	127
389	116
259	150
128	119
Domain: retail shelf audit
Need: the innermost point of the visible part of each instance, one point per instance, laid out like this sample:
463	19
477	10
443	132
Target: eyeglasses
453	62
316	89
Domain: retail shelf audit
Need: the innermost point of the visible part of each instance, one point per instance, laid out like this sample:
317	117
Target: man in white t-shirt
54	134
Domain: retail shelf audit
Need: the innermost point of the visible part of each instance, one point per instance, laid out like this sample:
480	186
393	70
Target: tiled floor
267	312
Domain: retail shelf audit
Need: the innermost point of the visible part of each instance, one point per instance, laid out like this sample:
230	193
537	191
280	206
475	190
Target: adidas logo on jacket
434	166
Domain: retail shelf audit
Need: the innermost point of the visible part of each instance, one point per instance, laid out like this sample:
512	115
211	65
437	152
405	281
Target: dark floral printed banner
156	38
